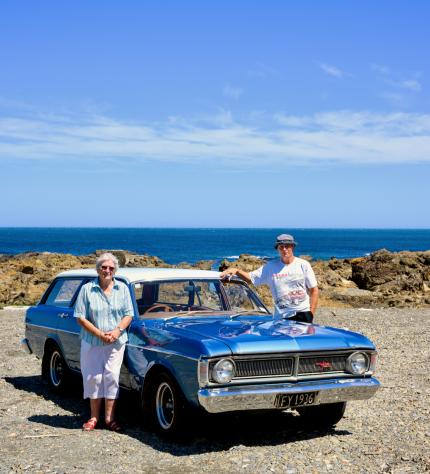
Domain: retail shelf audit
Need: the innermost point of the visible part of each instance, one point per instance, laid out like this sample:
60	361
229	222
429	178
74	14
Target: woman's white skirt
100	367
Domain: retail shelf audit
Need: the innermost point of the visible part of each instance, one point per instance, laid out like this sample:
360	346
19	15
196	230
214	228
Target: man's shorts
303	317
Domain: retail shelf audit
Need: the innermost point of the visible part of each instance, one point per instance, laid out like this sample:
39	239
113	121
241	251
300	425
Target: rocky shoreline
382	279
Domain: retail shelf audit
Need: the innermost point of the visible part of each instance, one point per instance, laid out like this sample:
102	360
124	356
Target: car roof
148	274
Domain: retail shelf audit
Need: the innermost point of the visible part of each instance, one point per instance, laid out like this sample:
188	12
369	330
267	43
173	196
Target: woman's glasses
106	267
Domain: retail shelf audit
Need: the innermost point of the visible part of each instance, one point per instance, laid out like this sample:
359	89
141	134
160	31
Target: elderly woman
104	311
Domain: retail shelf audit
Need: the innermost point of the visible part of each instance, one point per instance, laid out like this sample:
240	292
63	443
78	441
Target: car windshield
194	296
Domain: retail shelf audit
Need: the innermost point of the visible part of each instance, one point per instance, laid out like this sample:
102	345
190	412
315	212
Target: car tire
164	407
322	416
54	369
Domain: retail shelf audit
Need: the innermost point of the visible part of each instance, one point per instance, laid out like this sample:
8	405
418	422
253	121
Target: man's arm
313	297
238	272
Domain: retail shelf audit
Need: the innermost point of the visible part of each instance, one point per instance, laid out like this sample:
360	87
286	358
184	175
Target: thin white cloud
381	69
386	75
331	137
332	70
232	92
411	84
408	84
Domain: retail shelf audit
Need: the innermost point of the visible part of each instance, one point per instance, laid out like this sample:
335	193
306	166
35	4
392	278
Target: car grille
319	364
281	366
264	367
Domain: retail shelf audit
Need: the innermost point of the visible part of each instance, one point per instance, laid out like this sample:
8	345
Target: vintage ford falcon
200	343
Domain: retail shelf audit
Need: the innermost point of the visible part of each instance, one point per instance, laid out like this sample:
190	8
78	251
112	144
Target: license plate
290	400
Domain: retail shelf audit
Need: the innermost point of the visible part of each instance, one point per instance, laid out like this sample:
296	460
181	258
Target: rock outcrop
379	280
24	277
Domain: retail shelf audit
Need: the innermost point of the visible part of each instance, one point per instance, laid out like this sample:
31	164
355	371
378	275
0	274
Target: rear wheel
54	369
322	416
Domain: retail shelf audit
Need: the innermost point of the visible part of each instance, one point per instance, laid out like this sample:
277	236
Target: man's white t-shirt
289	284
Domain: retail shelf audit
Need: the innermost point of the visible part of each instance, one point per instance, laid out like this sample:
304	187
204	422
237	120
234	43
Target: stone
382	279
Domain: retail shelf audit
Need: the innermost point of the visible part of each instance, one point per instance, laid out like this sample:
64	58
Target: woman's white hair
106	256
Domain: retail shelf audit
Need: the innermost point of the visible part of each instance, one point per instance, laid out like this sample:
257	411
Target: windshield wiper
249	311
178	314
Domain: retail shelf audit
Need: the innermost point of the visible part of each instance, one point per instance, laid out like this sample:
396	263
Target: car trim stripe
164	351
148	348
52	329
40	326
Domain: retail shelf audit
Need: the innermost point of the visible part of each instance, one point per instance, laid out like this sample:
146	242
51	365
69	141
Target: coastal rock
24	277
353	297
201	265
130	259
382	279
390	273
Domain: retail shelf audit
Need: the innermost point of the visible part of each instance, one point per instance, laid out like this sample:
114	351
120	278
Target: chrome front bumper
261	397
26	346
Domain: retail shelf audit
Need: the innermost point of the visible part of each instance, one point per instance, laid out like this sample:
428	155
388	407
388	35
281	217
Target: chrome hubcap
56	369
165	405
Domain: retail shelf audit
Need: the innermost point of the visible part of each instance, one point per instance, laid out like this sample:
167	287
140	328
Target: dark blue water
191	245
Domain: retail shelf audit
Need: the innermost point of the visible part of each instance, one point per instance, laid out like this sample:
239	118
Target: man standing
291	280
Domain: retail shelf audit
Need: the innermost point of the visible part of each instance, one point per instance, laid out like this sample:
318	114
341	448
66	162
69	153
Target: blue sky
215	114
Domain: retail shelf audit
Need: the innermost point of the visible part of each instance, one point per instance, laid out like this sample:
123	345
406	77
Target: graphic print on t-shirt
289	290
289	284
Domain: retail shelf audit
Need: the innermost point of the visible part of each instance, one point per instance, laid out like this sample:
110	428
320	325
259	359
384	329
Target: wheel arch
50	344
182	370
154	371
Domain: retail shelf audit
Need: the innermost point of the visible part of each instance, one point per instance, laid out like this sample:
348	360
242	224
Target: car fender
182	368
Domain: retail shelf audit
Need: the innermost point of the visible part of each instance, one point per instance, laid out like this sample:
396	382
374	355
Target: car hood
251	335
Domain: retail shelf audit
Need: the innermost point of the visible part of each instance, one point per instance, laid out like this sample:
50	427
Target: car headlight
223	371
358	363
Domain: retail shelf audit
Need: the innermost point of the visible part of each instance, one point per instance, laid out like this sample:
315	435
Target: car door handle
62	315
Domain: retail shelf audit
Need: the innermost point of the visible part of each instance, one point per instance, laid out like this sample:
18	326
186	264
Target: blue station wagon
199	343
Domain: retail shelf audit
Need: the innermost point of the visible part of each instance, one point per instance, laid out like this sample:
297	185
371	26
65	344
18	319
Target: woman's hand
105	337
112	336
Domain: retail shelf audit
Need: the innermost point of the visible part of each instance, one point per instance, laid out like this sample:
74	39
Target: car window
241	297
173	293
63	292
183	295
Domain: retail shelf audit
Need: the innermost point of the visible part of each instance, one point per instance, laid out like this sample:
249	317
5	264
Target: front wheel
164	406
322	416
54	369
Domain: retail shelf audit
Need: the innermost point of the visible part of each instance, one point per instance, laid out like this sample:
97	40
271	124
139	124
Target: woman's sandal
113	426
90	424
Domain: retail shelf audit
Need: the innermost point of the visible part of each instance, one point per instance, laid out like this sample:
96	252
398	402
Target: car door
60	303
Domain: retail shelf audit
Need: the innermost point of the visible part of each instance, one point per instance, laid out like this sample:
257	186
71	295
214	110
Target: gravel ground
40	431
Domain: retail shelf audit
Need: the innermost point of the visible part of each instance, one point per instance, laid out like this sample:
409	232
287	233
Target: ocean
191	245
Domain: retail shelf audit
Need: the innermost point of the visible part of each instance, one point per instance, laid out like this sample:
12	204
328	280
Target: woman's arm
89	326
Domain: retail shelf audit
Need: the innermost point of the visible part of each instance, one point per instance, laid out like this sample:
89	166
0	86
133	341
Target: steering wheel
154	307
